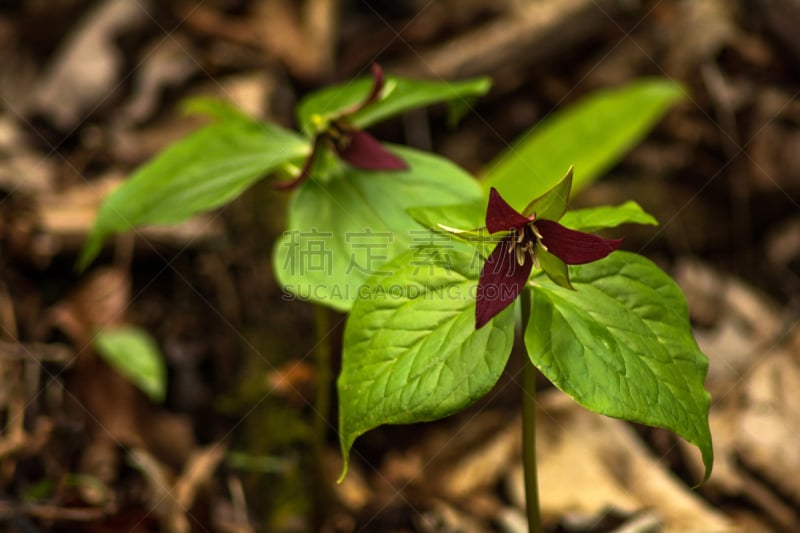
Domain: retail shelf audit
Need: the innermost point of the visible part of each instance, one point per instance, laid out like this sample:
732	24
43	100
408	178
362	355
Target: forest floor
89	90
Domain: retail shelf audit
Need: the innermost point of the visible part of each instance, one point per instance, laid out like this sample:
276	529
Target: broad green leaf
592	219
592	135
455	219
342	231
465	222
621	345
134	354
411	350
399	94
205	170
552	204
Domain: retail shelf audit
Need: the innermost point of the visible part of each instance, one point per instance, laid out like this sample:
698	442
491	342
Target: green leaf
453	218
213	108
399	94
552	204
465	222
411	350
592	135
205	170
621	345
592	219
134	354
342	231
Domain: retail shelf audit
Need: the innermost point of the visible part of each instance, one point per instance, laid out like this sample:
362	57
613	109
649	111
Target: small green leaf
592	135
621	345
134	354
411	350
205	170
399	94
592	219
342	231
215	108
552	204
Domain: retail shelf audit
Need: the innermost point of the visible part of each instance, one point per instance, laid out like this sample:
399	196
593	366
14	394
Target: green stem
322	355
529	428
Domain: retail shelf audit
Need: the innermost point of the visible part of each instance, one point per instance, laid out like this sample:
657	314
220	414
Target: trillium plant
441	273
353	145
607	327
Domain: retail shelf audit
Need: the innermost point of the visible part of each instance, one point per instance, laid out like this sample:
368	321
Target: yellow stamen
539	237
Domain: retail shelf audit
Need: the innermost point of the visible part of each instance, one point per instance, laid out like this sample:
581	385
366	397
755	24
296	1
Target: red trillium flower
509	266
353	145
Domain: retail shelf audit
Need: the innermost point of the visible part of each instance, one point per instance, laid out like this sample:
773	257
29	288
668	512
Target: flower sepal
553	267
553	204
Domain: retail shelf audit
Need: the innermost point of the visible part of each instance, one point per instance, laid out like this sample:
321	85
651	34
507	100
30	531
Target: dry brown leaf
444	517
705	27
752	415
482	465
197	474
88	64
293	380
353	492
100	301
171	498
167	63
65	218
739	321
769	430
590	465
303	34
533	31
22	169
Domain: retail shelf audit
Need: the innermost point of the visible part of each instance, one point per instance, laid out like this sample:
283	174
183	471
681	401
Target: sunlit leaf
620	344
205	170
591	135
399	94
595	218
341	231
411	350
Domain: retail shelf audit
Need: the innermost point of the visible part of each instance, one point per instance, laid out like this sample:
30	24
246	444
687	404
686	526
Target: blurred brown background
90	89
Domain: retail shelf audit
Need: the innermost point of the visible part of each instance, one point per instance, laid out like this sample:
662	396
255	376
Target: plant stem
529	428
322	355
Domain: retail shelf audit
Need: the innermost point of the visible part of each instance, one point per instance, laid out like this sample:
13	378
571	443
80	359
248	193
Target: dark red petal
372	96
500	282
377	85
574	247
500	216
362	150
